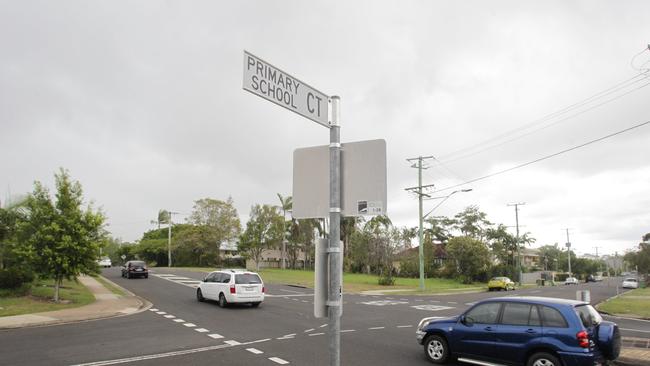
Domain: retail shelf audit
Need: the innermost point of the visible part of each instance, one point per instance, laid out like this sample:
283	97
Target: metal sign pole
334	302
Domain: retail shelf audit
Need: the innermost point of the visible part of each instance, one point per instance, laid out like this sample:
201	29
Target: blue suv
531	331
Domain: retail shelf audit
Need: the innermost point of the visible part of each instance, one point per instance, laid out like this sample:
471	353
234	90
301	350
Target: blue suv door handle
531	331
489	329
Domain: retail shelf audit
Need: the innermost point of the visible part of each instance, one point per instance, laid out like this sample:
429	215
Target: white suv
232	286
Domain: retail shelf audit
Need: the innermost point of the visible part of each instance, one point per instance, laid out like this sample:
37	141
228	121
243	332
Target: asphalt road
178	330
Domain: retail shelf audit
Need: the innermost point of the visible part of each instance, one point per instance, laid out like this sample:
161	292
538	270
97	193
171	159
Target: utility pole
517	237
598	258
568	245
169	238
420	194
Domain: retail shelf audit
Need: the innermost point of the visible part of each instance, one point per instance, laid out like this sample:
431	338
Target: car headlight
424	322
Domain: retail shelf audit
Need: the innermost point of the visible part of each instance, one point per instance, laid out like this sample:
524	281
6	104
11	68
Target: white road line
373	328
179	320
160	312
452	302
259	341
278	360
315	334
154	310
153	356
201	330
290	335
169	316
215	336
309	330
304	300
635	330
254	351
232	343
404	326
348	330
323	326
295	292
189	325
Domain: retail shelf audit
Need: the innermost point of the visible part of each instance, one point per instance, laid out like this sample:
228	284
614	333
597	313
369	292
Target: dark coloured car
135	269
590	278
531	331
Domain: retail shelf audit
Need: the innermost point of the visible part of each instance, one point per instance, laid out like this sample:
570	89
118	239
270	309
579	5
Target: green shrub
14	278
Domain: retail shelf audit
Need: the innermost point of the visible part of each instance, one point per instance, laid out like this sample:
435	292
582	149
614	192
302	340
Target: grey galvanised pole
169	241
334	303
420	233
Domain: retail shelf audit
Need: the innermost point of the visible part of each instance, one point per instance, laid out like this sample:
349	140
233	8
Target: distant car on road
531	331
630	283
105	262
501	283
232	286
590	278
571	281
598	278
132	269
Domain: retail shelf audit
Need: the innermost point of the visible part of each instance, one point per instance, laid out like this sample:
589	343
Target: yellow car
501	283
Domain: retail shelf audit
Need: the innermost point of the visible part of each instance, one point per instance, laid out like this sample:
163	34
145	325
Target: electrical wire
611	90
490	147
545	157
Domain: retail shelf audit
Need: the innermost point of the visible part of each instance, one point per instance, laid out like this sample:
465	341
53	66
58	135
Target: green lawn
634	302
39	298
114	289
357	282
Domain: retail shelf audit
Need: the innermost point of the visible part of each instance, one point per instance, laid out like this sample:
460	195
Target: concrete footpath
635	352
106	305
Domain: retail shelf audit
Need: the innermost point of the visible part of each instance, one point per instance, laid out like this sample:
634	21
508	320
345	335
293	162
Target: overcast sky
142	102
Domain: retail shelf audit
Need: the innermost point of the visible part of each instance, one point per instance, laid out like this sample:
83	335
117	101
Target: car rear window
553	318
630	280
247	279
137	264
588	315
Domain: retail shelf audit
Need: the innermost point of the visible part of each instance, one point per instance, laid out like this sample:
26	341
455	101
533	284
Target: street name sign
363	180
275	85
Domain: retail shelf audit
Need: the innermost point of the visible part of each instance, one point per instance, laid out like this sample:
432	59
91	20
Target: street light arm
444	199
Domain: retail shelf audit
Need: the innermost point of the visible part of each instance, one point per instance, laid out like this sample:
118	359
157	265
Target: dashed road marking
232	343
373	328
169	316
315	334
190	325
160	312
179	320
154	310
278	360
348	330
201	330
431	307
309	330
254	351
383	302
323	326
215	336
404	326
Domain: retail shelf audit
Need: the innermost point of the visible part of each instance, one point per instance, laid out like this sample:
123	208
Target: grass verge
38	298
632	303
114	289
358	282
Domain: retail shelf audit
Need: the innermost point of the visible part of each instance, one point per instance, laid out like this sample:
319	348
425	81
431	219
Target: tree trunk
57	285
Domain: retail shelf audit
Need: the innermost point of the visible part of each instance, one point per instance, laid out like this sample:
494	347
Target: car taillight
263	289
232	289
583	339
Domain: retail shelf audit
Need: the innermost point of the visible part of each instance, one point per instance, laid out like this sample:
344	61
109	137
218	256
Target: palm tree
286	204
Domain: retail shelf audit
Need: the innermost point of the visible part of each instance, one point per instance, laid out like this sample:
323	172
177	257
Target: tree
264	230
10	217
472	222
286	204
60	239
502	243
164	217
640	259
217	221
439	229
470	255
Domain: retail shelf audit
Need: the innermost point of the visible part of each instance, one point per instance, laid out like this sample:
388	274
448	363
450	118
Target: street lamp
421	249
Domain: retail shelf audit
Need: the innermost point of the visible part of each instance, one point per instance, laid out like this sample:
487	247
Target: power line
621	85
543	127
546	157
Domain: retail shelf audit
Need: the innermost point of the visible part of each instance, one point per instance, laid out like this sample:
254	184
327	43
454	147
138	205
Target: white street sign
275	85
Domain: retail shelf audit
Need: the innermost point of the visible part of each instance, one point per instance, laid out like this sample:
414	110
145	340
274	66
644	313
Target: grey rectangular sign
275	85
363	176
